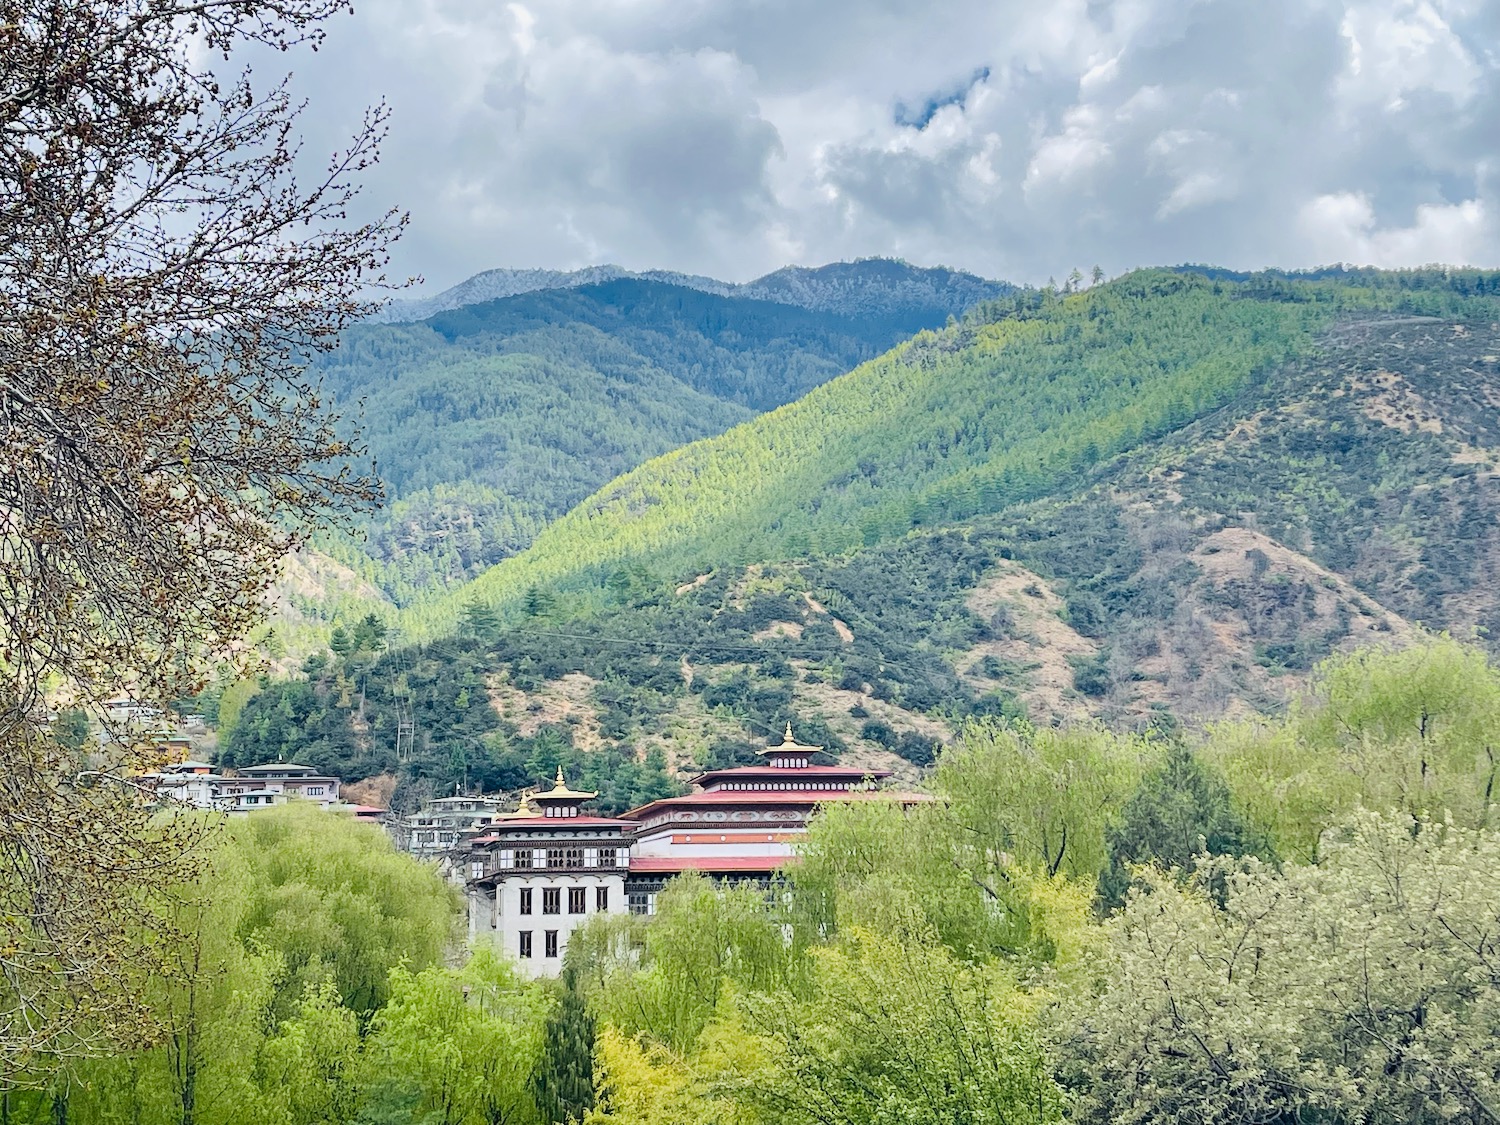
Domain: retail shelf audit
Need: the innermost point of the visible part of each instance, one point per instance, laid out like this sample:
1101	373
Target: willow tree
163	275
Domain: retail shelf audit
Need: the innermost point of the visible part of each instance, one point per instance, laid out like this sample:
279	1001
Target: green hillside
1345	495
1014	403
486	422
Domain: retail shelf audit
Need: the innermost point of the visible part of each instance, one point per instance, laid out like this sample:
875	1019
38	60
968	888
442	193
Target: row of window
549	943
577	900
560	857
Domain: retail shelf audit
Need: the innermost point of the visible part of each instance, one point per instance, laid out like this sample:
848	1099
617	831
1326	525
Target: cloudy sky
1014	138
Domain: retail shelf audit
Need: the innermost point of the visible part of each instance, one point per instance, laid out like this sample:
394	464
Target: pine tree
1181	810
564	1079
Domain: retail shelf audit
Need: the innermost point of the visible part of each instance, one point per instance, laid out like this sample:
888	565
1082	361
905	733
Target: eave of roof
651	865
554	822
799	773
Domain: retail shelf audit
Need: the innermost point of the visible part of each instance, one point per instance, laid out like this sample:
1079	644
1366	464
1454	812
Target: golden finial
788	737
560	783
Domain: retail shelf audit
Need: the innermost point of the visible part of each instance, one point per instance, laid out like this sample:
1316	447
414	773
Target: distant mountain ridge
868	287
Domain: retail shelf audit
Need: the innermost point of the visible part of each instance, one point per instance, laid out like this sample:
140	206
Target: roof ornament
787	738
560	782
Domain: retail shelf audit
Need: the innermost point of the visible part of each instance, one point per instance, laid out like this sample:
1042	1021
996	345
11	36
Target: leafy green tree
481	620
1040	796
1411	728
456	1047
894	1029
664	980
1361	989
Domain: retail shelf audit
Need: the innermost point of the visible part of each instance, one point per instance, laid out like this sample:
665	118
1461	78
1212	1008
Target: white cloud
1342	227
1012	138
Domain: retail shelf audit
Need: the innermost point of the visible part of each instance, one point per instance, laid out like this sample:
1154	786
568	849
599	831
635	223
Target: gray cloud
1008	137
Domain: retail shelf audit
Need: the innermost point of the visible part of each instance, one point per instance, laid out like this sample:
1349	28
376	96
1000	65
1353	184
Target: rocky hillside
1343	491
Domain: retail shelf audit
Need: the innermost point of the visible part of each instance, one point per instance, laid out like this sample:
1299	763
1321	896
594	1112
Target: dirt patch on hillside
1239	553
1036	645
1387	398
845	633
376	791
701	580
791	629
563	702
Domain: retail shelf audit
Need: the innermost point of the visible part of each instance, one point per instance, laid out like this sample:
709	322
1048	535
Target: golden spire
787	738
524	808
560	783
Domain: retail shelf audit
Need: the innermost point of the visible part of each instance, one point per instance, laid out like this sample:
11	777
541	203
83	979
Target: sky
1017	139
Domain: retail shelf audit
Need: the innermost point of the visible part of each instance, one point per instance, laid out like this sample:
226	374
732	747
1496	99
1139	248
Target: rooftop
803	797
561	792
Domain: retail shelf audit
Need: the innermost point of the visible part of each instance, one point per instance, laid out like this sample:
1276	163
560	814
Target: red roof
552	822
774	797
647	865
809	773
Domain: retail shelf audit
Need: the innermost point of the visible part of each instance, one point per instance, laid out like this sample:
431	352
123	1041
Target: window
523	857
525	943
551	900
314	790
507	858
601	899
642	902
476	869
576	900
573	857
554	857
606	857
551	943
525	900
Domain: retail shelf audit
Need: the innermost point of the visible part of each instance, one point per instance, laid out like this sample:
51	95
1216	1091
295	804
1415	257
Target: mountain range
870	287
1158	500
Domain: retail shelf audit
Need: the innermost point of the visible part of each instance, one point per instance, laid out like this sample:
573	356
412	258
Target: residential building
286	778
252	788
443	825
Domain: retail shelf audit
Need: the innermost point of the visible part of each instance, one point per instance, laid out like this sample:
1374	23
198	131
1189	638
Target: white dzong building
538	873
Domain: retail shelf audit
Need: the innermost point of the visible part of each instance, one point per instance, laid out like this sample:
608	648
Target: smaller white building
252	788
288	779
538	873
445	824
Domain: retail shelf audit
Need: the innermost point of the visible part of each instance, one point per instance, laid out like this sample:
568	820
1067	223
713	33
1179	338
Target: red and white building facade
536	874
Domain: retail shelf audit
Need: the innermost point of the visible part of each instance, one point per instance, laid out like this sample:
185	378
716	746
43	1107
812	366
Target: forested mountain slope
1300	468
1013	404
488	421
